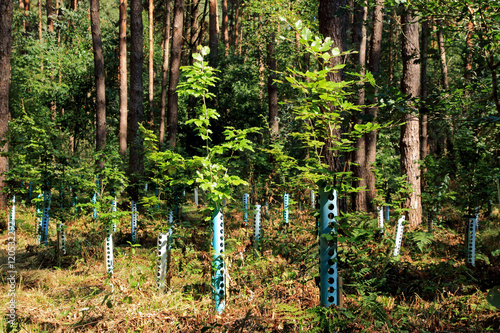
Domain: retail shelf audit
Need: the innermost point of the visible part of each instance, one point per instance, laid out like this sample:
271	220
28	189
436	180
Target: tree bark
272	90
225	28
410	141
212	38
392	27
424	148
359	166
194	28
164	81
174	73
100	106
136	114
468	56
151	64
6	10
40	20
123	78
374	68
442	56
50	10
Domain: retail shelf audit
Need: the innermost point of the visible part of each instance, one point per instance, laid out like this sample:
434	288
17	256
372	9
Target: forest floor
428	288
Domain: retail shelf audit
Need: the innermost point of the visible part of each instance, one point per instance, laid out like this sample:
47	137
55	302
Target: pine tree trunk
212	39
468	57
6	10
442	56
99	77
175	62
164	81
392	27
151	64
359	166
40	20
123	77
272	90
424	148
225	28
374	68
194	28
136	113
410	141
50	11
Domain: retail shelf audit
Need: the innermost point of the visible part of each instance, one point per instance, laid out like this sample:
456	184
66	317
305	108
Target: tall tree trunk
374	68
136	114
174	73
50	11
332	15
194	28
164	80
359	167
151	63
225	28
6	9
237	24
40	20
410	141
392	28
424	148
123	78
272	90
442	55
468	56
100	107
212	38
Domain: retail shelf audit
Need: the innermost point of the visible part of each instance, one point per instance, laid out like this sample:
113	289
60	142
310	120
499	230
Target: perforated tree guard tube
313	199
39	215
30	191
245	207
161	260
387	216
285	208
196	196
45	218
62	238
12	216
256	229
94	198
328	273
381	219
471	241
133	222
113	209
399	236
109	250
218	282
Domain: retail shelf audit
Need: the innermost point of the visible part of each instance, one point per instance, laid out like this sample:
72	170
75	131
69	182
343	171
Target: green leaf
493	296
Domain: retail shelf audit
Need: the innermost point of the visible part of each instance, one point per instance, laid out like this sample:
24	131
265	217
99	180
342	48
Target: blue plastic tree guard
246	198
45	218
286	200
12	216
328	271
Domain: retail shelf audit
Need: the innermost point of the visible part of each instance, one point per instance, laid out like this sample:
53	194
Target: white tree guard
387	213
381	219
12	216
196	196
256	228
161	274
399	236
45	218
313	199
113	209
133	227
109	251
62	240
286	201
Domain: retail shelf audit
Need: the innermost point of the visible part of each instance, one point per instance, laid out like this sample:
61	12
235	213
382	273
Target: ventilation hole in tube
331	271
331	252
331	206
331	280
330	196
331	290
331	216
330	299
